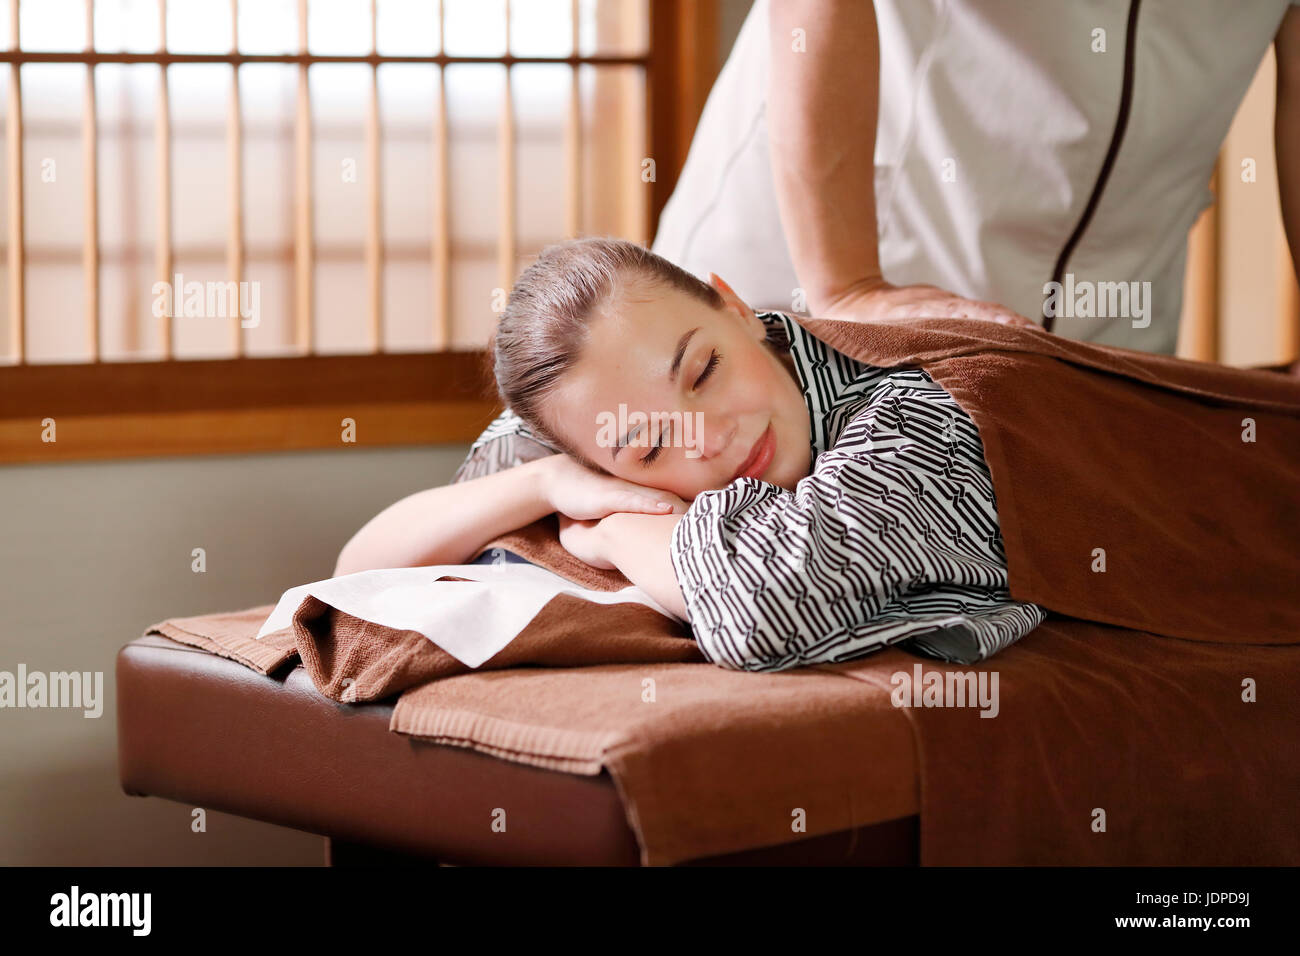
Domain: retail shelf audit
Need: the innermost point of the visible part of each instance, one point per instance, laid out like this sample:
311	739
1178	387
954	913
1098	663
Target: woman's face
703	398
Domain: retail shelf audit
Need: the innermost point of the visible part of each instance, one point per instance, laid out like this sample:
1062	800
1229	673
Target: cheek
754	382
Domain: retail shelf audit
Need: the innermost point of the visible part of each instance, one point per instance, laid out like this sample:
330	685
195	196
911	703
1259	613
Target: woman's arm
450	524
638	545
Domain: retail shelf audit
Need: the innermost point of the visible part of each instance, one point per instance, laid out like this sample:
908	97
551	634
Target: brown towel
1144	461
233	634
707	761
352	660
1114	748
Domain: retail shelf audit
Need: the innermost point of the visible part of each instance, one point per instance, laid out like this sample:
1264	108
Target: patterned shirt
892	539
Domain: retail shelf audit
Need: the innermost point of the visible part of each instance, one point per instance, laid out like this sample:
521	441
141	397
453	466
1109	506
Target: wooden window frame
125	409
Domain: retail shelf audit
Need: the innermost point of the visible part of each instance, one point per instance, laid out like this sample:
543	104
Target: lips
760	456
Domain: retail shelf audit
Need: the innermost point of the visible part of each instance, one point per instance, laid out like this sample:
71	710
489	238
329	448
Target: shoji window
229	226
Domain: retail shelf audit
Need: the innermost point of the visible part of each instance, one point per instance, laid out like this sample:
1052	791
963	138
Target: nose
713	434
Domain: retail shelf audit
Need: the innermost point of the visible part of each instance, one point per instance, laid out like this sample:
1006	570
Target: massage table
205	731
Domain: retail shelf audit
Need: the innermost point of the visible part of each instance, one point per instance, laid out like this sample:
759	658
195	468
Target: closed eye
714	359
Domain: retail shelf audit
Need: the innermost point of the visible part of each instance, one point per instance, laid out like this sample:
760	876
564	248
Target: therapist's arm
1286	128
822	106
1286	136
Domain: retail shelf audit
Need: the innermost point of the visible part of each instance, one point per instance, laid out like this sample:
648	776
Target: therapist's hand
872	301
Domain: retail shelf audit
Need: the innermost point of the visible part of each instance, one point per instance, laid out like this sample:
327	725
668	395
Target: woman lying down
793	505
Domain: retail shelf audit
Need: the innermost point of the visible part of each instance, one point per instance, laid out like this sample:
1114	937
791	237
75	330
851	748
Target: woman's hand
638	546
577	492
870	301
583	540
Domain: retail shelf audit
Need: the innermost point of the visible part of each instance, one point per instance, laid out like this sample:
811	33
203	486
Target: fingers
922	301
957	307
644	498
640	503
669	504
996	313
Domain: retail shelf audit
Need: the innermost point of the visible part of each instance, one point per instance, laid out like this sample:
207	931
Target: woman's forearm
638	545
822	106
450	524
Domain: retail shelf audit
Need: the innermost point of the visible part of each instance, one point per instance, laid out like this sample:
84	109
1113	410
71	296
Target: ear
738	305
721	286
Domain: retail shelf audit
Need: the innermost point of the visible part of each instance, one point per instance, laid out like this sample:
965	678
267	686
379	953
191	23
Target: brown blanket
1110	746
1140	456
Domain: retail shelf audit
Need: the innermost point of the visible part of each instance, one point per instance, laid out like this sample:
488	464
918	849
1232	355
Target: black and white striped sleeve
893	538
505	443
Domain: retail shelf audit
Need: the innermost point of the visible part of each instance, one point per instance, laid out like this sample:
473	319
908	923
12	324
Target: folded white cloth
470	620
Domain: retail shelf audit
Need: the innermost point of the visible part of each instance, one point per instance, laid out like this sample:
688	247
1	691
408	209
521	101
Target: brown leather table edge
203	730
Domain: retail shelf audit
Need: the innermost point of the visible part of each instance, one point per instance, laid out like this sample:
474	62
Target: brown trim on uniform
1117	136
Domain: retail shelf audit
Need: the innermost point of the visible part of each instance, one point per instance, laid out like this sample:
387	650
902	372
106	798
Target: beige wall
93	554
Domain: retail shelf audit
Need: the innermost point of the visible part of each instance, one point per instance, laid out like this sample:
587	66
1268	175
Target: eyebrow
673	370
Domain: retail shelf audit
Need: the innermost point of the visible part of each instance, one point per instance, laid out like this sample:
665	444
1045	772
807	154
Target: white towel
470	620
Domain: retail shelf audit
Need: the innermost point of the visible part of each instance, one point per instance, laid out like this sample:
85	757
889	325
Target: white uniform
996	119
